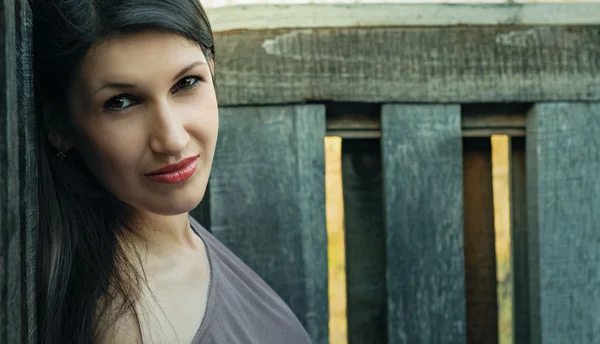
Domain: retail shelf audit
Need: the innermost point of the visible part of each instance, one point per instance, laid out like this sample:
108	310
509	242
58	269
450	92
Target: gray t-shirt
241	307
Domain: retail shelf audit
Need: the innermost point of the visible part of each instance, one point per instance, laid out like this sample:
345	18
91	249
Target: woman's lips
175	173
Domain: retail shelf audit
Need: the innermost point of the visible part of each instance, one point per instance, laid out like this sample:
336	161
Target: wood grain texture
320	15
268	202
423	202
365	241
27	168
450	64
563	151
10	300
18	182
519	241
479	242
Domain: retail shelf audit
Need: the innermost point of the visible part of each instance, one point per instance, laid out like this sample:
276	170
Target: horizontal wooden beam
354	125
486	125
269	16
366	126
412	65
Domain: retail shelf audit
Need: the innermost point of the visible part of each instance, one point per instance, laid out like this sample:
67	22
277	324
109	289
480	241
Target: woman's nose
168	133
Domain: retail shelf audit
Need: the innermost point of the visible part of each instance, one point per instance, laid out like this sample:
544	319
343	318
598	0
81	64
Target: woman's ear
59	140
56	135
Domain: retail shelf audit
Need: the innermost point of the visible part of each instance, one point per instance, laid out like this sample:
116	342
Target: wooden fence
415	92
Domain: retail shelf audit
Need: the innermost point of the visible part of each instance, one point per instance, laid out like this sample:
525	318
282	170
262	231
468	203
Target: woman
128	122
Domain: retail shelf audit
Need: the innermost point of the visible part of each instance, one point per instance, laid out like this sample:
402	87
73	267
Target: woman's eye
187	83
118	103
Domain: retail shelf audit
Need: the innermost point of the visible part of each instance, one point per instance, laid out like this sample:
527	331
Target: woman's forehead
137	56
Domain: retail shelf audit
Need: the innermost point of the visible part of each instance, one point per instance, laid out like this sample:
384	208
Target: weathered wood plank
18	182
456	64
9	182
322	15
479	242
423	197
27	169
365	241
268	202
563	160
518	225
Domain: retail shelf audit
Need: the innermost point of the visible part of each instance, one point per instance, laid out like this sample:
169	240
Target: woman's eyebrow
187	69
114	85
128	85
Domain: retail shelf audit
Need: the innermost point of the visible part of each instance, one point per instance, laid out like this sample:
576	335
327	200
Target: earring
61	155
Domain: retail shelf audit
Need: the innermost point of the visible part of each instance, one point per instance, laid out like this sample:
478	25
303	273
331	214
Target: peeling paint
282	45
521	38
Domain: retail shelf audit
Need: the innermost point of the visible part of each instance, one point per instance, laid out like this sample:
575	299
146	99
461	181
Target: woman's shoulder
244	308
224	262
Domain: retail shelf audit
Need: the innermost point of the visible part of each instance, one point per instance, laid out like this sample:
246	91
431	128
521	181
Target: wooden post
423	197
563	202
18	183
268	202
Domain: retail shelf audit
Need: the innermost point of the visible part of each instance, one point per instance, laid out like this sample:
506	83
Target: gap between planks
365	126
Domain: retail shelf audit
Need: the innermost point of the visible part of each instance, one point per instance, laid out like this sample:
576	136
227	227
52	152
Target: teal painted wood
563	164
18	182
309	16
267	200
410	65
422	162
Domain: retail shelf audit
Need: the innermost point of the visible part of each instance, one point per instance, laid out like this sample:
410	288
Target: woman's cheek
112	148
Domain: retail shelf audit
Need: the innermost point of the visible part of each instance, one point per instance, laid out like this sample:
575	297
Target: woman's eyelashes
125	101
187	83
119	103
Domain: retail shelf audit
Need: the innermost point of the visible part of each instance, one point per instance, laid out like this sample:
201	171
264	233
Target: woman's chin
169	206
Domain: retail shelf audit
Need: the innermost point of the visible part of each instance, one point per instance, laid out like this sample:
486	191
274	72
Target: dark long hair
81	261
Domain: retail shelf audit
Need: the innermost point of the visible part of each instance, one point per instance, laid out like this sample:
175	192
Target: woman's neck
164	234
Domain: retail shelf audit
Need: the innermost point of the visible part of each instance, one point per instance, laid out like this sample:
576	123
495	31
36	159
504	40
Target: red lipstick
176	173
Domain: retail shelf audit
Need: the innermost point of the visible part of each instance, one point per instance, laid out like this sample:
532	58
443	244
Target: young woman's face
140	103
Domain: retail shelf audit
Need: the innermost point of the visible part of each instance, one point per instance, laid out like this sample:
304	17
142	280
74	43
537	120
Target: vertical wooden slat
365	241
479	242
28	169
422	161
518	211
10	297
563	188
18	192
268	202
